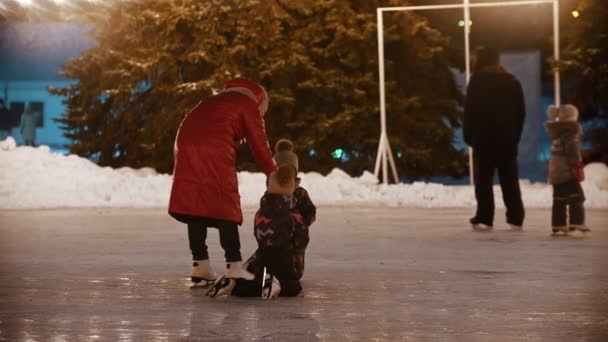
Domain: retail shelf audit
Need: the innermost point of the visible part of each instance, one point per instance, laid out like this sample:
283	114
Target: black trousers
486	165
568	199
229	238
279	263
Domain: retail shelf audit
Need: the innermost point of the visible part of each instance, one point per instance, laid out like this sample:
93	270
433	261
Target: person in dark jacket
566	169
5	121
494	116
205	187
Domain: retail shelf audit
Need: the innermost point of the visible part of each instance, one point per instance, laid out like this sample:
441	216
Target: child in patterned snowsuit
276	225
303	205
566	169
281	228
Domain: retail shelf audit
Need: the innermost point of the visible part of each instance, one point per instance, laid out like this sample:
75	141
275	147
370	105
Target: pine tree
156	59
585	65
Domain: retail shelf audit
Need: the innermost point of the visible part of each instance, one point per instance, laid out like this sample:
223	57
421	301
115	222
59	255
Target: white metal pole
384	159
381	72
377	167
391	159
466	5
381	149
467	66
556	51
474	5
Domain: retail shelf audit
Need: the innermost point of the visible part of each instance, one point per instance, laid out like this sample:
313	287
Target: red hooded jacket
205	178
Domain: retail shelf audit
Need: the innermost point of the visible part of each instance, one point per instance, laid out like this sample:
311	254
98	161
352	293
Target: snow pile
36	178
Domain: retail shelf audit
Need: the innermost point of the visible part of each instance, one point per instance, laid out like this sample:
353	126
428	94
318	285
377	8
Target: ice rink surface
372	274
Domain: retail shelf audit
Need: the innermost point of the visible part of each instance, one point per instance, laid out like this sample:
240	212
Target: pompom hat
284	154
563	113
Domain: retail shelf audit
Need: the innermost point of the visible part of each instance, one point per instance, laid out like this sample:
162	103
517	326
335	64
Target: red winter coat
204	178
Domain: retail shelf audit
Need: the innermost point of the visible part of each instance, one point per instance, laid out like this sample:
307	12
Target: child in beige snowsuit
566	169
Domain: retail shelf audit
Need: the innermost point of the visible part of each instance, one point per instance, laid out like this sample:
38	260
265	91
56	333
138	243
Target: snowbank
36	178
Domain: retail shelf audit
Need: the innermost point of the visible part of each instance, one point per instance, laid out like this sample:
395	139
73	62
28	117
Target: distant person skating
27	127
205	189
5	121
566	170
493	123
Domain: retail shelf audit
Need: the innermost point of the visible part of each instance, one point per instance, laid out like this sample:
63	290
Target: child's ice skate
227	282
580	227
222	287
202	273
270	286
560	230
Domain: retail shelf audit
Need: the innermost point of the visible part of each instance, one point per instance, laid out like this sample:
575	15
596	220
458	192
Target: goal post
385	154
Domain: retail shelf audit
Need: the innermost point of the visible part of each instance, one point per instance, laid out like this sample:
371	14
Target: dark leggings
278	262
562	210
229	238
568	199
485	167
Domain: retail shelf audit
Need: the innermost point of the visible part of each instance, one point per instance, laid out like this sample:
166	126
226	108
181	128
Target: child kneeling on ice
566	169
284	155
275	224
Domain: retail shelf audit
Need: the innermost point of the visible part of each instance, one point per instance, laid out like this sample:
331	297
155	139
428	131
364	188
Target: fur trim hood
250	89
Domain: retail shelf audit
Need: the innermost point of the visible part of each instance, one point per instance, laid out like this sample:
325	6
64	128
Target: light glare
576	13
24	2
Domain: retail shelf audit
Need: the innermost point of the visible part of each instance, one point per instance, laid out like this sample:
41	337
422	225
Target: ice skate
560	230
478	226
270	286
202	273
580	227
236	270
516	228
222	287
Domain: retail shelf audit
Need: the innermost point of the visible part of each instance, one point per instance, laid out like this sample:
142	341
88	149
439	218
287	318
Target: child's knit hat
282	181
284	154
563	113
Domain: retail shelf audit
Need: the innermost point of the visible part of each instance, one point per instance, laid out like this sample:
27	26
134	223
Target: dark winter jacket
308	212
204	179
565	150
276	222
494	112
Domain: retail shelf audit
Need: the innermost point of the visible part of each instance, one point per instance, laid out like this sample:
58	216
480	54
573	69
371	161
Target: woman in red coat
205	189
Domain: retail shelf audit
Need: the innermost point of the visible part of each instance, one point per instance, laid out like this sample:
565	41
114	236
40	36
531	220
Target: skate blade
201	283
267	293
221	287
267	289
